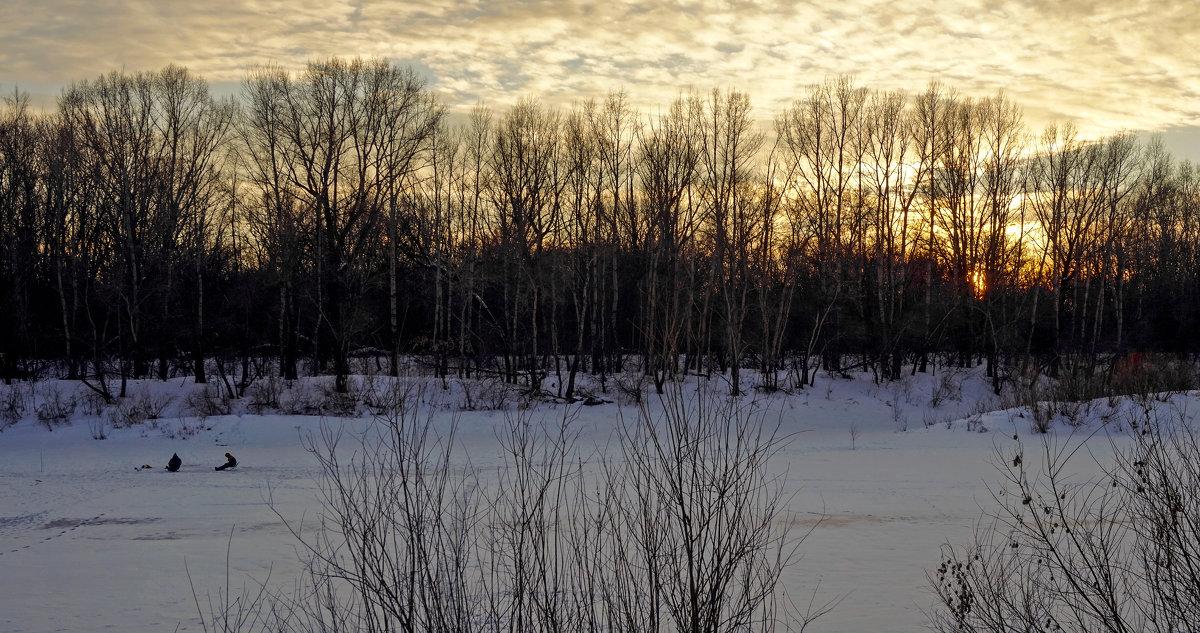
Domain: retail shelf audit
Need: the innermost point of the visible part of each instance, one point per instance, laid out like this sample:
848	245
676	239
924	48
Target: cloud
1108	64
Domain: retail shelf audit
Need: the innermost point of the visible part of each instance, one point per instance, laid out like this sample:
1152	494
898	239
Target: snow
87	543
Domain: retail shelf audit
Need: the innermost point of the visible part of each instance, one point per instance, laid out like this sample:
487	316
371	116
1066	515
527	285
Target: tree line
151	229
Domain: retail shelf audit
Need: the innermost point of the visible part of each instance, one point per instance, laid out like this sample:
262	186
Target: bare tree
728	147
1066	196
436	200
581	226
893	177
822	154
526	186
477	137
19	210
615	129
1004	146
273	214
932	109
350	218
668	163
115	118
194	128
69	231
349	135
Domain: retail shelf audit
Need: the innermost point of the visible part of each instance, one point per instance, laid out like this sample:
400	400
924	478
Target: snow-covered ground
88	543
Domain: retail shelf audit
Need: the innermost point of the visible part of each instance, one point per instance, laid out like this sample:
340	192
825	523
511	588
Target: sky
1107	65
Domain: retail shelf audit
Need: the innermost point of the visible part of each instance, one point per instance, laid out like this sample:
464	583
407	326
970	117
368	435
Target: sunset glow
1109	65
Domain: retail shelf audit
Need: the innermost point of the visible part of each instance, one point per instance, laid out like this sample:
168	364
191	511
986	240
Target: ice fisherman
230	462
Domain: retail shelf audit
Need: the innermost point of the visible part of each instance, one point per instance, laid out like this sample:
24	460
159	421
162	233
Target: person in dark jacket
174	463
230	462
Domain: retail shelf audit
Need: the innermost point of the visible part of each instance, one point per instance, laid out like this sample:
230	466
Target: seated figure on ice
230	462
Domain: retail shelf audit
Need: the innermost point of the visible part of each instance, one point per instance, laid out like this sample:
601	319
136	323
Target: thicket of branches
681	525
150	229
1059	552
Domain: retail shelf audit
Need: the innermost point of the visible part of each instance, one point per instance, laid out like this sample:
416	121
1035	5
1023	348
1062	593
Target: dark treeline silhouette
150	229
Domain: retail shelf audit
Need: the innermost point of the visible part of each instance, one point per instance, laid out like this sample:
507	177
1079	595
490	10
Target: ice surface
87	543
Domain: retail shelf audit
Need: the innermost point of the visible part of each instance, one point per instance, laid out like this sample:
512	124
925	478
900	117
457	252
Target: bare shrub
631	385
13	404
899	392
946	386
553	538
99	428
1077	382
1041	417
388	396
974	421
374	392
301	399
264	395
1029	395
1119	551
495	395
394	507
470	394
1071	397
55	407
1049	405
208	402
123	413
93	403
1152	375
137	409
185	427
697	470
1074	413
336	403
152	406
